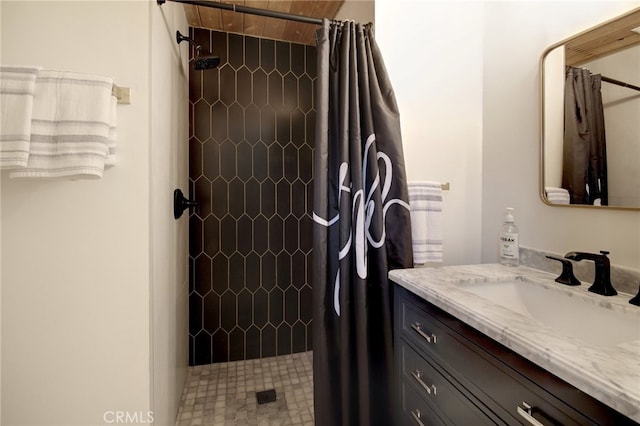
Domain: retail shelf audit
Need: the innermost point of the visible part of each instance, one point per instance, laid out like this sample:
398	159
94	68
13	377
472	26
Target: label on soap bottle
509	245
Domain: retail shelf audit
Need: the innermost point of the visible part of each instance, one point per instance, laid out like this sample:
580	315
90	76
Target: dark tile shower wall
251	150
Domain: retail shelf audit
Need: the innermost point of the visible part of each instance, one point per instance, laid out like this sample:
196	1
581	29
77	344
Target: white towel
557	195
16	105
425	199
72	126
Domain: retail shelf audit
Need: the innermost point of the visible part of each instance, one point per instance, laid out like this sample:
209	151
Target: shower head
203	60
206	62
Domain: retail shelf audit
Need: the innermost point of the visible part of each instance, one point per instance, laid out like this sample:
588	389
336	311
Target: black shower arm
180	38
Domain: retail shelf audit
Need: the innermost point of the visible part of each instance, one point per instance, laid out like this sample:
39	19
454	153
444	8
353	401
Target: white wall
0	304
516	33
75	253
169	238
433	53
91	310
0	254
466	80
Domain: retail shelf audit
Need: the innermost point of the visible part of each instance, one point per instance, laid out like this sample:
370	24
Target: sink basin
566	314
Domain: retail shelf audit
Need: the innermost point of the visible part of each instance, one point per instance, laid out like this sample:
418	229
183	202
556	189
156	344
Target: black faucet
636	299
566	277
602	280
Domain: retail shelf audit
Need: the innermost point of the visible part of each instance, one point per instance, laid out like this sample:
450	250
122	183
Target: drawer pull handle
417	374
416	416
418	328
526	412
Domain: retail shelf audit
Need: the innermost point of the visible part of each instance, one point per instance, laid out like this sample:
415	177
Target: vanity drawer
429	396
425	331
414	411
502	386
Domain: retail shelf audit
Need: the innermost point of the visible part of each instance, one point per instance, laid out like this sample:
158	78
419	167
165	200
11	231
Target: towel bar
123	94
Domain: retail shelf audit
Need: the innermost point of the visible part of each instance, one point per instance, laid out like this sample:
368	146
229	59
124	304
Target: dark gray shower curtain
584	164
361	228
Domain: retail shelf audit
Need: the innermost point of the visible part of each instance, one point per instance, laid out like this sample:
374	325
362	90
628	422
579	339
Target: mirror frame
542	123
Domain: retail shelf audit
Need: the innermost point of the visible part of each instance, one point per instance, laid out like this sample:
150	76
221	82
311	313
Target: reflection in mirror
591	117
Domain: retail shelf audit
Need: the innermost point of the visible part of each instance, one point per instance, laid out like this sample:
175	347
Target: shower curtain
361	228
584	164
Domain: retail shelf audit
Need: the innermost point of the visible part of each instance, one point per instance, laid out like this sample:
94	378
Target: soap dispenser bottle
509	246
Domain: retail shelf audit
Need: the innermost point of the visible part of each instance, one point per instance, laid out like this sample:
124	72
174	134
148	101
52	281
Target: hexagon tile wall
251	160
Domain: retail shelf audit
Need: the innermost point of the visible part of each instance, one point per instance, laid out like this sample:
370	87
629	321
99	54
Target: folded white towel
16	105
557	195
113	134
72	126
425	199
551	190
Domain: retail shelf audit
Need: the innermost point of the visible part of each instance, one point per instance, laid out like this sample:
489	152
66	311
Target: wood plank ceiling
603	40
260	26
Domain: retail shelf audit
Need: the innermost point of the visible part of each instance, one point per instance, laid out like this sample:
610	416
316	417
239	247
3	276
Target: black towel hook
180	203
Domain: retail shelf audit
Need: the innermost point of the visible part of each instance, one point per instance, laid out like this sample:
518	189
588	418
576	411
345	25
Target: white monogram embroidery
363	212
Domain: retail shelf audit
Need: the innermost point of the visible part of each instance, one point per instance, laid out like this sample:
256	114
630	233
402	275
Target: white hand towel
557	195
17	86
113	134
71	127
425	199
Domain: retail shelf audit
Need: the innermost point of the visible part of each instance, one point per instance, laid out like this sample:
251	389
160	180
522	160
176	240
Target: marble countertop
610	374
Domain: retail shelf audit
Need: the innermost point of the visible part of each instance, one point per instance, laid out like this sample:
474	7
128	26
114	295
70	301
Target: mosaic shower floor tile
225	393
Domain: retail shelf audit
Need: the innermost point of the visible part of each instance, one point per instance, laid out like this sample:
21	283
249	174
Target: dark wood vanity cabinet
447	373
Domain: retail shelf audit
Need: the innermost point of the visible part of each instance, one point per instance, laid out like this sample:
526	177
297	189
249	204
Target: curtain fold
361	228
584	165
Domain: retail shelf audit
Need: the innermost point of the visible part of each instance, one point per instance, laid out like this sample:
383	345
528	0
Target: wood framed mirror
590	147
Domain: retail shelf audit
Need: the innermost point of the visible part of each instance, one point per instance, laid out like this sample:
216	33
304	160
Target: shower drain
266	396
